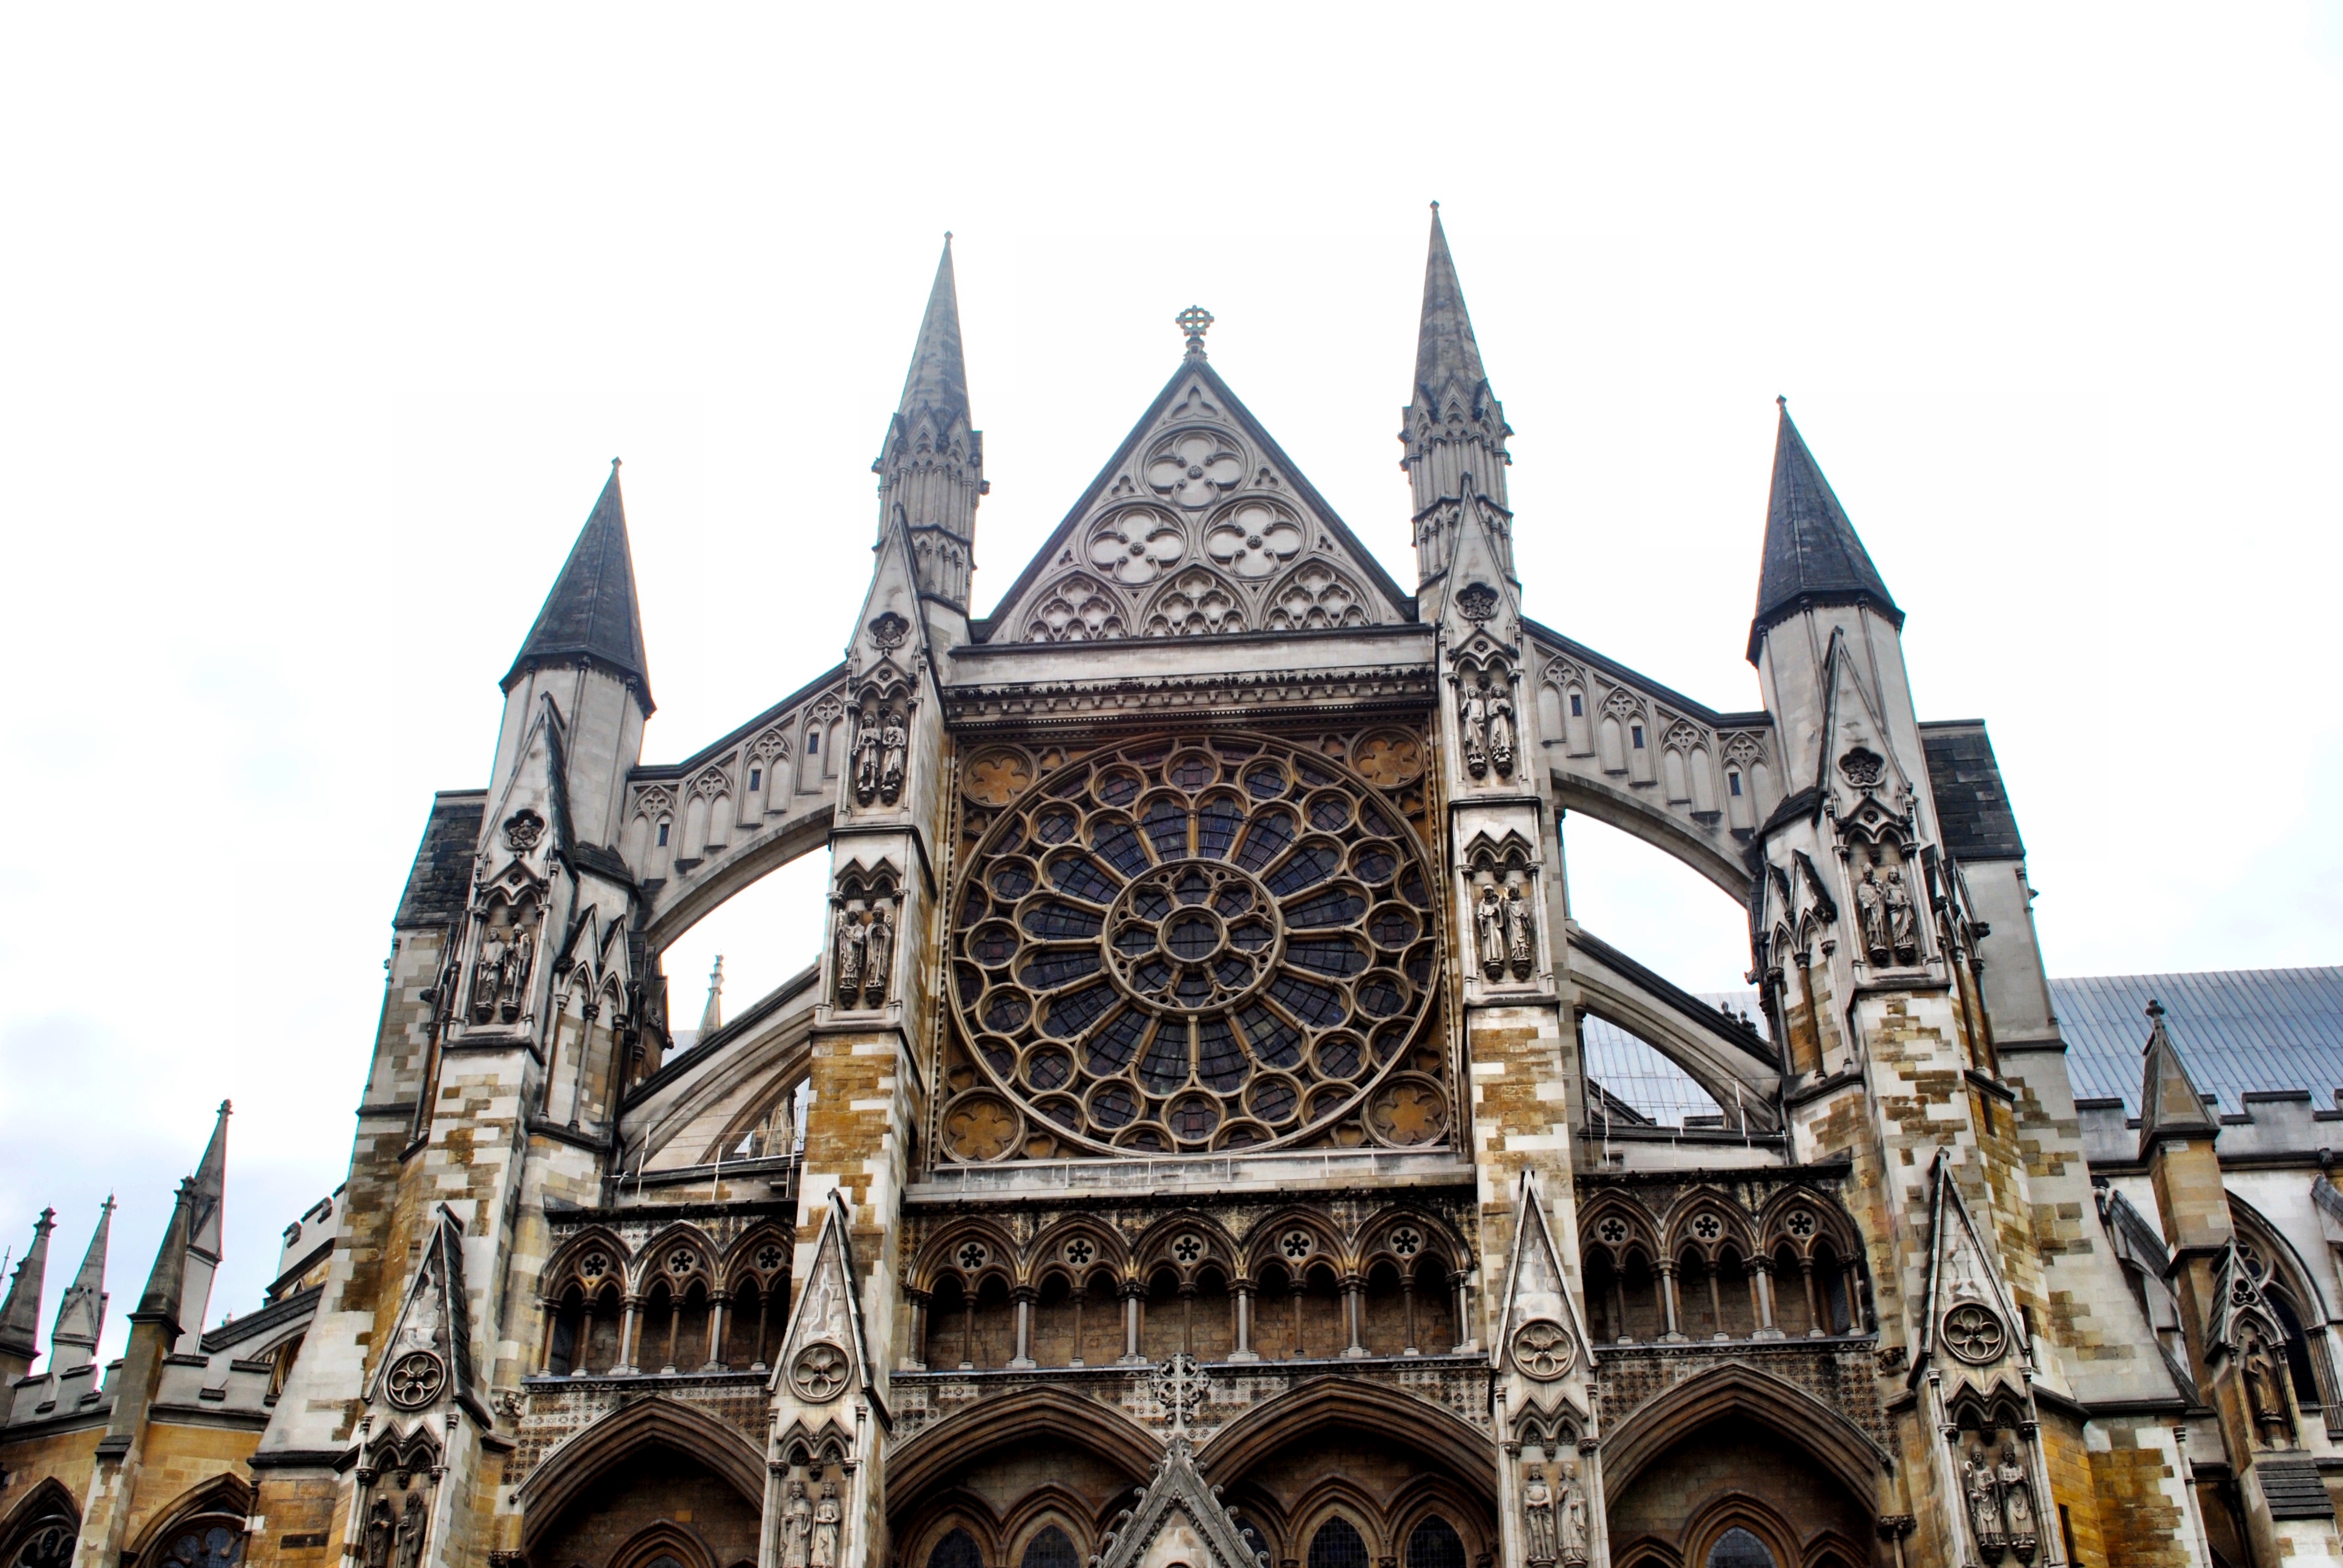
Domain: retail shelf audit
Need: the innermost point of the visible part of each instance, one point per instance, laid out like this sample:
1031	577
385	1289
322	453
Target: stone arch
2300	1307
1267	1244
47	1505
569	1473
1840	1447
1196	602
665	1538
1714	854
920	1465
226	1498
691	897
1262	1430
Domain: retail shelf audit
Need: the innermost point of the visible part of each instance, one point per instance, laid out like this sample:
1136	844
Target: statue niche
1503	906
1998	1492
502	962
395	1486
1488	729
866	921
881	747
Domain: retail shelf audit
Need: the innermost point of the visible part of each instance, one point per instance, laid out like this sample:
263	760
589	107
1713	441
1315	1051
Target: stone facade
1181	1147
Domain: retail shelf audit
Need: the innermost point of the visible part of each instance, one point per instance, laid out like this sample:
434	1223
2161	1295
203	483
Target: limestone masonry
1207	1137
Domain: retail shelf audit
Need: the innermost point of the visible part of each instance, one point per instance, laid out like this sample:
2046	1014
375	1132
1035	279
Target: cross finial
1781	402
1195	321
2154	1007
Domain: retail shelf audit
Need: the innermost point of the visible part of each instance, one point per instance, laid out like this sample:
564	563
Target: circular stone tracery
1188	946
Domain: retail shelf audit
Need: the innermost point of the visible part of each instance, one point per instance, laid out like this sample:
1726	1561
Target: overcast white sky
318	326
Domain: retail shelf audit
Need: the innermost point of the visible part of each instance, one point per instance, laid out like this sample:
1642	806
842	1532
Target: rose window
1177	946
1253	540
1195	470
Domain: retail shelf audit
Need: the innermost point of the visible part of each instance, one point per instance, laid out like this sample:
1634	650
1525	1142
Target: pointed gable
2169	1105
1199	525
81	1316
1812	554
591	614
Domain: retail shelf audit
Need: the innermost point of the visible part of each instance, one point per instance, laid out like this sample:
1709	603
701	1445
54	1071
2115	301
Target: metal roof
2240	1031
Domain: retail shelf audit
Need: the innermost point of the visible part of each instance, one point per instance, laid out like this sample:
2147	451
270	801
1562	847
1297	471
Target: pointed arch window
204	1544
1435	1543
48	1544
1338	1544
1737	1548
956	1550
1049	1549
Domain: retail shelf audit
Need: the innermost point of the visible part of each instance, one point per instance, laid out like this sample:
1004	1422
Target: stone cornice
1045	704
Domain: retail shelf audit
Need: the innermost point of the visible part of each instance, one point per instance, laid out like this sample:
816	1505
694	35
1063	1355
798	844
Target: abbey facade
1181	1153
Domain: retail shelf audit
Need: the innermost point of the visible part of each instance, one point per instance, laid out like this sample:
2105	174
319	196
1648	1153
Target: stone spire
204	1232
591	616
1812	555
712	1016
1454	428
931	466
166	1282
2169	1105
20	1315
81	1316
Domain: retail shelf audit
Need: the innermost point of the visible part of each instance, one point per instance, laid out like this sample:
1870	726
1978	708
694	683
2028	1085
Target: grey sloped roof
1973	812
1640	1077
441	878
2240	1032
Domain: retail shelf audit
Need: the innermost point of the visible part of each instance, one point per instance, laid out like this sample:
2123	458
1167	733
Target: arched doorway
659	1479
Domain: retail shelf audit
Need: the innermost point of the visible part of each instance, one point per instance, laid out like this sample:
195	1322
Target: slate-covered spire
166	1282
931	466
205	1228
1812	555
591	615
712	1016
20	1315
81	1316
2169	1105
1453	428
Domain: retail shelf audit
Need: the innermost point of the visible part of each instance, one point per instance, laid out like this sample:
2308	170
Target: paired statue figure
1890	924
1555	1529
1504	932
389	1542
882	744
2000	1502
866	956
1484	720
809	1530
500	975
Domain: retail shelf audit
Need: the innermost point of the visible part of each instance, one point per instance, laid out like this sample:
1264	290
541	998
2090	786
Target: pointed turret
931	466
591	617
2169	1105
20	1315
1812	555
81	1316
1454	429
166	1282
712	1016
205	1231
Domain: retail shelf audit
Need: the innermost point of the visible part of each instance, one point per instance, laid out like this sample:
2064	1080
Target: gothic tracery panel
1181	945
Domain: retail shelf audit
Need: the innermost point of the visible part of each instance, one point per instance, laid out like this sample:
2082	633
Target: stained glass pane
1338	1544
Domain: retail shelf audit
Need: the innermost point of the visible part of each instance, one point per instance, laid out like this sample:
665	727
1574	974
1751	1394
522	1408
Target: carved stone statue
1984	1508
1871	911
894	745
1903	925
853	940
489	975
2266	1394
379	1533
1537	1516
866	758
1473	726
1521	932
797	1527
516	983
1571	1518
1489	931
411	1524
879	952
1501	730
2017	1501
826	1516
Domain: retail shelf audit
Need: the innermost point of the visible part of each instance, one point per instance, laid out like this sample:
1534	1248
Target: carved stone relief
502	963
1137	545
1196	468
1254	537
1195	604
882	740
864	931
1488	724
1316	598
1502	885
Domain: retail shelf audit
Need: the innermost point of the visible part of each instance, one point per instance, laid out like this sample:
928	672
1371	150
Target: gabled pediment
1198	526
